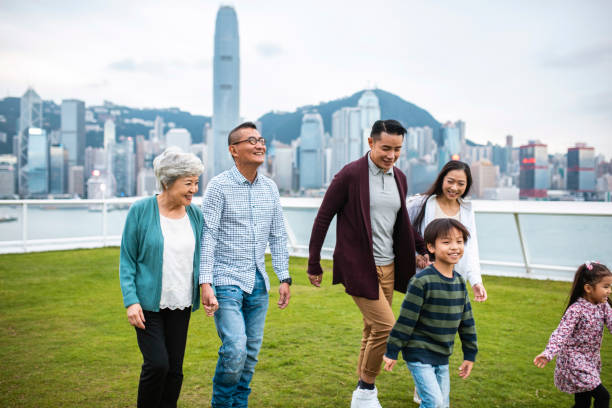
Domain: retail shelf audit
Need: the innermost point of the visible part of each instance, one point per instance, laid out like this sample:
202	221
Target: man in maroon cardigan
375	245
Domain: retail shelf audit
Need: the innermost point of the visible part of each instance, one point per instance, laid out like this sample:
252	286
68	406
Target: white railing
97	233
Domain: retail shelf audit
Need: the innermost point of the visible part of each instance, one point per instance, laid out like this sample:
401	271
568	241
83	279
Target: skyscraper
37	168
312	144
30	116
533	177
581	168
370	113
73	130
180	138
58	169
346	137
226	86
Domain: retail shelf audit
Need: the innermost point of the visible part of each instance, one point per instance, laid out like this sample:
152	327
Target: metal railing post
24	225
104	222
523	243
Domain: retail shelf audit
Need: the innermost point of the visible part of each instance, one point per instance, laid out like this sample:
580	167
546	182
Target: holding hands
209	300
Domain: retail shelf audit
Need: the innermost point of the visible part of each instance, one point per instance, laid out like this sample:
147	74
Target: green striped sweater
434	310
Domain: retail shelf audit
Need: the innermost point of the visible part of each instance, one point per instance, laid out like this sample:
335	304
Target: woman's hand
422	261
209	300
480	293
136	316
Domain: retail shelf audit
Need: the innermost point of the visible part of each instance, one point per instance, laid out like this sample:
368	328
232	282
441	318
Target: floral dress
577	341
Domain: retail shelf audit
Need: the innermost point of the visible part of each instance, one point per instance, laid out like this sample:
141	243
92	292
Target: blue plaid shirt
240	219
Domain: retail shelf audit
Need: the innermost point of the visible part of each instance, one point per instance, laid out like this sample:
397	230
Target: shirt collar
237	175
375	170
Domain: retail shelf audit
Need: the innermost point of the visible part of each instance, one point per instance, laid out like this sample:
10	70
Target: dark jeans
599	394
162	345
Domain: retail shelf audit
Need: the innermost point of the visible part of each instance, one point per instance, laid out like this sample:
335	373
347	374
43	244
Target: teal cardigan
141	256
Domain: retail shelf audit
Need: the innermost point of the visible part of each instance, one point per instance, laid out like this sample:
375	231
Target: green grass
65	342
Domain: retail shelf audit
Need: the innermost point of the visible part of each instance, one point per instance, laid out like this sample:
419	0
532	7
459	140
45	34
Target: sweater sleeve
467	331
333	201
562	333
128	256
407	320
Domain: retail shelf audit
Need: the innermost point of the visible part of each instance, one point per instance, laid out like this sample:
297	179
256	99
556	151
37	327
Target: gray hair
173	164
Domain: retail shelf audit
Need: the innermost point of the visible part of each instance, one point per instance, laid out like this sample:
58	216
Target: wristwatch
288	280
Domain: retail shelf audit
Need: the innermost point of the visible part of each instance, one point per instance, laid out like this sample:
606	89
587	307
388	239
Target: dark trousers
162	344
599	394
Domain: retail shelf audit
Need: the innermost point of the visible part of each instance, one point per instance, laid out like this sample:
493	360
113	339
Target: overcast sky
533	69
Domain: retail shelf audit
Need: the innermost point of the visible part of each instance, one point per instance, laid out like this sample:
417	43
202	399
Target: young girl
446	199
577	340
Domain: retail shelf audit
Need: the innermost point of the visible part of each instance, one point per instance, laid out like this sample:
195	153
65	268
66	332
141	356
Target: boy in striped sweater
436	307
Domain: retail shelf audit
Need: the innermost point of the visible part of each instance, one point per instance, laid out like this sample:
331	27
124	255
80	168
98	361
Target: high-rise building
451	144
58	169
124	168
76	181
282	166
484	176
370	113
73	130
146	184
158	128
581	169
226	86
346	137
312	144
8	175
180	138
30	116
420	175
533	176
36	170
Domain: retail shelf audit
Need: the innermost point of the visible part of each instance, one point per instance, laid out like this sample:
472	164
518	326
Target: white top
469	264
441	214
177	268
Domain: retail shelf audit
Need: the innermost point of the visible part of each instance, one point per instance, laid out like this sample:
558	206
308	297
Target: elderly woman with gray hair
158	271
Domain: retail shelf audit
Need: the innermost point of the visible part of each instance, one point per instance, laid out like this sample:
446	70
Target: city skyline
540	72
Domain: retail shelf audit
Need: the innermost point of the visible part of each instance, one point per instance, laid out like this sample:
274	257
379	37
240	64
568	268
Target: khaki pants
378	320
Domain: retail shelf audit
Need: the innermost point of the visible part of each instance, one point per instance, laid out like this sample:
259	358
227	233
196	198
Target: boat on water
7	218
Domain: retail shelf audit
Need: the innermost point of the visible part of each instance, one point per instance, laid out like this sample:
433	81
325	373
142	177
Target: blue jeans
240	325
432	383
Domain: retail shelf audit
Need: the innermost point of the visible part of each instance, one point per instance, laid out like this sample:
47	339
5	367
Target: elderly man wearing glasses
242	214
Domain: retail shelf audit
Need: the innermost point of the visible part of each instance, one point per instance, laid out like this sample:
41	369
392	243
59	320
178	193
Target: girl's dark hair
441	227
589	273
436	188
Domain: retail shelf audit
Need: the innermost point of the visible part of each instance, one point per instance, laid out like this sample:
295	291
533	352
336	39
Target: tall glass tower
370	113
312	143
226	87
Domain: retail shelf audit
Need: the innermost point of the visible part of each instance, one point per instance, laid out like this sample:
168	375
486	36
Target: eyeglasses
252	140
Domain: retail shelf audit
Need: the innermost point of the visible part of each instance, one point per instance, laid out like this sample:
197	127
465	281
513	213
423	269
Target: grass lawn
65	342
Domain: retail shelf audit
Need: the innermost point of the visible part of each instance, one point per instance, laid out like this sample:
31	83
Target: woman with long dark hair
446	199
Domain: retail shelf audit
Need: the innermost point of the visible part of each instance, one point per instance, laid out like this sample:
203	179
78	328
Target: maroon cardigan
348	197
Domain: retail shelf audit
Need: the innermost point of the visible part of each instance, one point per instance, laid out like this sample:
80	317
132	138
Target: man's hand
284	292
389	364
422	261
136	316
209	300
540	360
315	280
480	293
465	369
